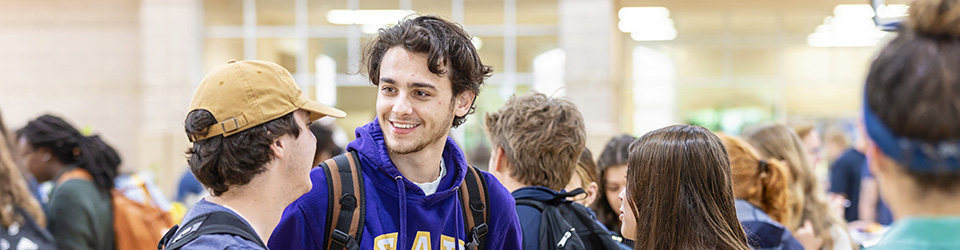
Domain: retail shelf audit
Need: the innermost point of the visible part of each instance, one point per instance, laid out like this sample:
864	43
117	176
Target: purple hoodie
396	206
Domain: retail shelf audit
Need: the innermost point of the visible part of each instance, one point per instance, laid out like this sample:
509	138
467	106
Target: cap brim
318	110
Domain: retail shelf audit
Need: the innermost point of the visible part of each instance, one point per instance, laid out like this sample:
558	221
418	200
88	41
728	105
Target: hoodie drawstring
456	240
403	211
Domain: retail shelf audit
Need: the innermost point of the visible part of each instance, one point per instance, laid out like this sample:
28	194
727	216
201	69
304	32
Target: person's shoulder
75	190
221	241
76	185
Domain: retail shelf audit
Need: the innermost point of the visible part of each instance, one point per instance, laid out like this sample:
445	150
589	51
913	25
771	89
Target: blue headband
916	155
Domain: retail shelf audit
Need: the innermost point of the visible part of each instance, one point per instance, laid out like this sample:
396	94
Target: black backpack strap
531	203
346	208
473	200
218	222
563	196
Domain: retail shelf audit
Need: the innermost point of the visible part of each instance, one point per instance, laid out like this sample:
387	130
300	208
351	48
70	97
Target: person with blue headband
911	113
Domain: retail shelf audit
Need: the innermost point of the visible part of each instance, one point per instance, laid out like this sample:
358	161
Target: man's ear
463	102
497	160
277	148
592	190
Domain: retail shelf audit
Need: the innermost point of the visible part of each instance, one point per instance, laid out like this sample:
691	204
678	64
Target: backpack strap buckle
475	234
344	239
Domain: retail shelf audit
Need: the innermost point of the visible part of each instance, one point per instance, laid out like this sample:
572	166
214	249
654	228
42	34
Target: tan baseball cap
243	94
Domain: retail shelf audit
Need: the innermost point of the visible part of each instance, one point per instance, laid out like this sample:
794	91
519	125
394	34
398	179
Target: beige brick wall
124	68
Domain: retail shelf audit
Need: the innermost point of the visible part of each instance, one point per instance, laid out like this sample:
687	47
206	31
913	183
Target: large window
297	34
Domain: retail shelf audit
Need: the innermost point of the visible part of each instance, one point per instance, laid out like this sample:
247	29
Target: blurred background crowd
125	70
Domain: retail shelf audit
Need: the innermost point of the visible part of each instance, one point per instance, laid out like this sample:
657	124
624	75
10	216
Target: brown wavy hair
541	136
679	187
807	198
444	42
13	188
762	183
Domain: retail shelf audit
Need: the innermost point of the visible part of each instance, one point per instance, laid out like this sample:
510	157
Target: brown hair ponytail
774	196
763	183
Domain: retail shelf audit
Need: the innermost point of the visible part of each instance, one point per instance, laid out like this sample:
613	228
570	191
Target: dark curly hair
220	162
71	147
444	42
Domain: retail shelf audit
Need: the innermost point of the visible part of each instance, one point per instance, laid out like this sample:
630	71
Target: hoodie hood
372	149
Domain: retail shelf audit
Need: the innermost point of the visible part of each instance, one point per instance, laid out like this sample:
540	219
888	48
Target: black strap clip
344	239
475	234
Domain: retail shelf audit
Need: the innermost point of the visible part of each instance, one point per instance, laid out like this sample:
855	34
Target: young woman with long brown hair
807	199
679	187
22	221
612	171
760	187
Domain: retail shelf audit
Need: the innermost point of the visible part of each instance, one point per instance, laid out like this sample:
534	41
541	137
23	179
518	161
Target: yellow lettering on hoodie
422	241
386	242
447	243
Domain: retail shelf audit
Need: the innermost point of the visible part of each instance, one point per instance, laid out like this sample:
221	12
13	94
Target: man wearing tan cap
415	189
252	150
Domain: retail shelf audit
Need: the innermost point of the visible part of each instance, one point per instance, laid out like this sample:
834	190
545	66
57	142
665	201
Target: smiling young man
413	175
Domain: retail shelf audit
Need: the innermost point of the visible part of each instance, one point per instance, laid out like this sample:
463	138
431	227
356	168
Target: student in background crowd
189	189
810	137
79	210
760	187
537	142
21	217
845	176
612	167
585	177
807	201
835	144
679	192
911	112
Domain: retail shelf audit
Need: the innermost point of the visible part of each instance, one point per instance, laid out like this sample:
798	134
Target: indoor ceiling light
851	25
647	23
645	12
853	10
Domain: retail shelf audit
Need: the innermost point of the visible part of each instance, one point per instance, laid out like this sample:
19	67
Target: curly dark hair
444	42
71	147
220	162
